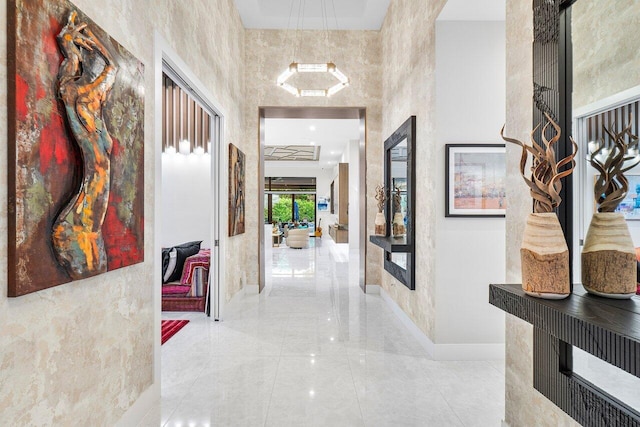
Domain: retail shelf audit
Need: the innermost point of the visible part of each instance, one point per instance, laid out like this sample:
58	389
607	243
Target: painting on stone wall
236	190
76	148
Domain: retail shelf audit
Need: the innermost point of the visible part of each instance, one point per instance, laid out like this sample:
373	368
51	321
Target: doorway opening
312	161
188	183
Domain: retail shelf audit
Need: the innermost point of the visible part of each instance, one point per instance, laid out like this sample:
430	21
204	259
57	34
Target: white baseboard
444	351
140	407
372	289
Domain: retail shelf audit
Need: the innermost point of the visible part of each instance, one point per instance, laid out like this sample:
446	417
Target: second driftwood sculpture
399	229
608	255
380	222
611	186
544	252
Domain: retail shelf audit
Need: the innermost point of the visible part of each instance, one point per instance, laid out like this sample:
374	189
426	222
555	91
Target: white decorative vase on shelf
381	225
399	230
545	258
609	258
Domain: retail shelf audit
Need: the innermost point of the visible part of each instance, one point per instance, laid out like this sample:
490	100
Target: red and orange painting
76	148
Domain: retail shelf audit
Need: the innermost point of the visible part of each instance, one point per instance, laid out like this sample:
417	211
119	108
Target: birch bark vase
608	257
381	225
398	230
545	257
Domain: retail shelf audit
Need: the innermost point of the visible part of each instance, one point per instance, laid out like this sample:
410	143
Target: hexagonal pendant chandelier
329	67
298	67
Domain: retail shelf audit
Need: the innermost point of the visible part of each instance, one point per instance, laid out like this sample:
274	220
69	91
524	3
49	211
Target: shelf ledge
391	244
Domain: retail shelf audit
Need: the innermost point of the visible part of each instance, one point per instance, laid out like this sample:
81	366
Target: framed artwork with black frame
475	177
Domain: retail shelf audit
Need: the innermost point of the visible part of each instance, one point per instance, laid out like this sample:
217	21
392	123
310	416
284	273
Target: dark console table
606	328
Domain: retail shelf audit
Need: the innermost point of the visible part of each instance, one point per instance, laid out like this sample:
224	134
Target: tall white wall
470	105
186	199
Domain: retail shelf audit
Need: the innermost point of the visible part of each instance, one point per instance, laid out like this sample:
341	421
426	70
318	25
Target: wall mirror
399	178
605	92
586	73
605	82
398	187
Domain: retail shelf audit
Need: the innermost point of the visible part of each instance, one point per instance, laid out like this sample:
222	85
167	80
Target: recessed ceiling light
333	152
312	128
312	143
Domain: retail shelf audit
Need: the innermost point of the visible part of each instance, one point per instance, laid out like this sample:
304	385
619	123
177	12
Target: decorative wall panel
552	88
237	190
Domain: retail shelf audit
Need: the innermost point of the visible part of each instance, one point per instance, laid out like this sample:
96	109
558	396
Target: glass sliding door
290	202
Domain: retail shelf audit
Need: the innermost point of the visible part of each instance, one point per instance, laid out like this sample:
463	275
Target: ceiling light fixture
300	67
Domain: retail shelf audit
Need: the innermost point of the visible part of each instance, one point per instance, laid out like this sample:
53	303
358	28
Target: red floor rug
171	327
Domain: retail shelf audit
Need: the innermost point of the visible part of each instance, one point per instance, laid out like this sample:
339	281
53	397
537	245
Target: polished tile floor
313	350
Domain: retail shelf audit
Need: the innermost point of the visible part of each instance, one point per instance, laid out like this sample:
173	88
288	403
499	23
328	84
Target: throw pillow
182	252
171	265
165	260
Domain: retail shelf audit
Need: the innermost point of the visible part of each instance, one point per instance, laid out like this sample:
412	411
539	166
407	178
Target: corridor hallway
313	350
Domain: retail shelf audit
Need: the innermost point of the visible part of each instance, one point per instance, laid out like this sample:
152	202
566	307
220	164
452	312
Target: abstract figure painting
76	148
236	191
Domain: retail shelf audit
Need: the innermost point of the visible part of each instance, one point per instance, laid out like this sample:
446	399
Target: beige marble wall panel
408	49
519	32
81	353
358	55
524	406
606	48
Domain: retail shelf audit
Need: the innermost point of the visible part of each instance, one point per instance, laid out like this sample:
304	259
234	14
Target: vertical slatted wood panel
552	90
183	118
617	118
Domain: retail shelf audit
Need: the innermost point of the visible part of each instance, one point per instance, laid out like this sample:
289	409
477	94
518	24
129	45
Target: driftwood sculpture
545	184
381	196
544	252
611	185
398	229
397	205
380	222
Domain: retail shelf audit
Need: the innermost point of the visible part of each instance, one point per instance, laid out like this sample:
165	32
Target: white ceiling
352	14
274	14
331	135
473	10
